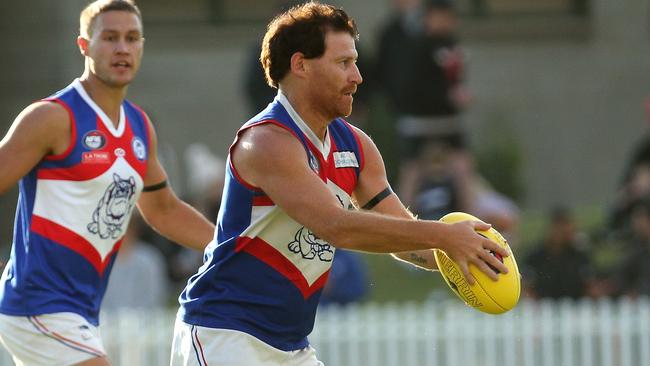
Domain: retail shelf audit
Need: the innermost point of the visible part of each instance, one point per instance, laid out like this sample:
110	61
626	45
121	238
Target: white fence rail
585	333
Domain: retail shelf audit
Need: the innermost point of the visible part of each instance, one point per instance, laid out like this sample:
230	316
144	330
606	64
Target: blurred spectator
493	207
396	51
634	277
420	69
205	180
258	93
438	193
559	266
348	279
139	279
635	184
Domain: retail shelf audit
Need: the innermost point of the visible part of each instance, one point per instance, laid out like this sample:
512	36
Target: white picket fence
585	333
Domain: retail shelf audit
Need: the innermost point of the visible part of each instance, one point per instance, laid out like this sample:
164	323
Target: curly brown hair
300	29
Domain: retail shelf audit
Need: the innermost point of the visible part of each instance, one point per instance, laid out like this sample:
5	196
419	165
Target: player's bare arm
372	183
165	212
41	129
272	159
463	245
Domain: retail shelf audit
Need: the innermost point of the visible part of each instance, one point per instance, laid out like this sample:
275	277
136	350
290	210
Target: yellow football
486	295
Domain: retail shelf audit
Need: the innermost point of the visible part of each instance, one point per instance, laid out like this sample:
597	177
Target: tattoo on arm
418	259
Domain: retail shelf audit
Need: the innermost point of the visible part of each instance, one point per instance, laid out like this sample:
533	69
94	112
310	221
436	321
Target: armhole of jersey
232	165
73	131
359	145
148	127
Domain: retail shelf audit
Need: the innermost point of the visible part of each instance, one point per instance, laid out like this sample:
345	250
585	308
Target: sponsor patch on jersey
345	159
95	157
139	149
94	140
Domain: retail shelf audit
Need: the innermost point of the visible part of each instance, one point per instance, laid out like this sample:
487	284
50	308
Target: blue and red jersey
264	272
73	210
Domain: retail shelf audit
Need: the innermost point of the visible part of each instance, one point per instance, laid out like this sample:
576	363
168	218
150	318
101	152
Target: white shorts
50	339
200	346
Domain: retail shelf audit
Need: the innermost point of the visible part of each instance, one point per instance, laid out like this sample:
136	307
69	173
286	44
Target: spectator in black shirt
635	184
559	267
420	69
634	276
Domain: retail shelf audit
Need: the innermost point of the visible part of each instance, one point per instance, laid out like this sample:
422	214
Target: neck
108	98
315	120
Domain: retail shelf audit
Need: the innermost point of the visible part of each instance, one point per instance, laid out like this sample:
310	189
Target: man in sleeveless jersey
293	172
84	159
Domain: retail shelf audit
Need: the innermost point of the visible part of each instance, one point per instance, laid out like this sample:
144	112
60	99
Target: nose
121	46
356	75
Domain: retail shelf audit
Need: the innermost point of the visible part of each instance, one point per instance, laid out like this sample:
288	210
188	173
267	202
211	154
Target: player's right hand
465	246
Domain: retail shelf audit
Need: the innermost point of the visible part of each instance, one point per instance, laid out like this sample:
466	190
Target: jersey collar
116	131
323	146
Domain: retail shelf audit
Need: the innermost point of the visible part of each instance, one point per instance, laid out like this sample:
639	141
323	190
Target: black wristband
155	187
378	198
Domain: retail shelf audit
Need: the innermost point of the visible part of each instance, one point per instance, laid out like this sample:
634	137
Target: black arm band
378	198
155	187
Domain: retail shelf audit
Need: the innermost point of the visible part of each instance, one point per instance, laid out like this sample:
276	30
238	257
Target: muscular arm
272	159
166	213
41	129
372	181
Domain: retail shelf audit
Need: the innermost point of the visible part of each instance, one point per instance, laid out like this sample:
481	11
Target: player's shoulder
364	138
268	134
267	142
44	114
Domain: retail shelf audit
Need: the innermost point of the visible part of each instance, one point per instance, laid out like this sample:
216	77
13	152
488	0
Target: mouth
121	65
349	93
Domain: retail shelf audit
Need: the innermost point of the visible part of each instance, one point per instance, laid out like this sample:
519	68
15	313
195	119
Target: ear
298	66
83	45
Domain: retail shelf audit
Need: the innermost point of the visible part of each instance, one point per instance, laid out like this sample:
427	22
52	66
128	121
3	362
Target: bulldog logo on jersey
139	149
113	208
94	140
309	246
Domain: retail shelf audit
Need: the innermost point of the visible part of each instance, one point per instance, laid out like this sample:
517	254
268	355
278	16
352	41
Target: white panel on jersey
258	212
309	253
97	210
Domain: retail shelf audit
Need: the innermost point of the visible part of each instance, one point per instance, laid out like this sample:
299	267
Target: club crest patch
313	163
139	149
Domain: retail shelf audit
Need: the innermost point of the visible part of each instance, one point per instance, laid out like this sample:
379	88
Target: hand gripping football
486	295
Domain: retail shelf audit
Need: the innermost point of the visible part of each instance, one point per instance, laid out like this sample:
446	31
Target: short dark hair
300	29
92	10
